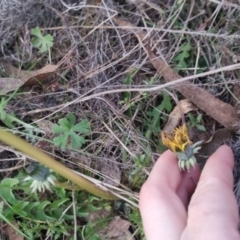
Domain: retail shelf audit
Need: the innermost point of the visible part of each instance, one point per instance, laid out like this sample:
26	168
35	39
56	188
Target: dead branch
222	112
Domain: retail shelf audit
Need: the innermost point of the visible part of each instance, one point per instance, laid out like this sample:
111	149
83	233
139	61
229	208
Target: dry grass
99	56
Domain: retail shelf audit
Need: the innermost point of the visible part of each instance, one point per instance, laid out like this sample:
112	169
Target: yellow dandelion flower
177	141
180	144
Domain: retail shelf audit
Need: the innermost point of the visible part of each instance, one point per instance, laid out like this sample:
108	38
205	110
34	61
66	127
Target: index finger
213	210
163	213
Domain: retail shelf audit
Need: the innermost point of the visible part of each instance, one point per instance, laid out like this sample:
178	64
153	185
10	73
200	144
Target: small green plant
156	114
67	131
184	54
136	221
11	121
43	43
4	116
196	122
51	213
127	96
136	177
89	232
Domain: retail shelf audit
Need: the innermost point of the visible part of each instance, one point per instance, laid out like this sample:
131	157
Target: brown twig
217	109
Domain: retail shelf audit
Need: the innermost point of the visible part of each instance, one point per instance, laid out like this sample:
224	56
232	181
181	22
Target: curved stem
35	153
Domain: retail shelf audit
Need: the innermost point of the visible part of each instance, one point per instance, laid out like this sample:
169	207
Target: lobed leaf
6	190
64	123
36	32
68	131
77	141
82	127
72	119
61	141
40	41
57	129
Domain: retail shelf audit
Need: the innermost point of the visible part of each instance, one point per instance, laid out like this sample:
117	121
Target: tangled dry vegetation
118	63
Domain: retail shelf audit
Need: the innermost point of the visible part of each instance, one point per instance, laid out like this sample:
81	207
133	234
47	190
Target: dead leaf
11	232
112	172
94	217
217	109
183	107
21	78
9	84
208	148
196	135
45	125
118	229
236	94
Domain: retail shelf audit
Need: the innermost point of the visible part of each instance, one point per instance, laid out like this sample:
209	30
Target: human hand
212	212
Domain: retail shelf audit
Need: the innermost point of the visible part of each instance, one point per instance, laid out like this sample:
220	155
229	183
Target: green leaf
82	127
39	211
2	114
60	192
61	141
182	56
29	209
72	119
82	213
44	43
6	190
18	208
1	207
201	128
37	32
64	123
68	132
166	103
8	120
36	42
64	140
93	208
58	203
156	114
191	117
77	141
199	118
57	129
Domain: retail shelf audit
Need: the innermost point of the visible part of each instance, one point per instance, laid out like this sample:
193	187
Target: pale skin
178	205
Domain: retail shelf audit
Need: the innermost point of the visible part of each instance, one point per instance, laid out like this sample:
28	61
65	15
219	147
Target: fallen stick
220	111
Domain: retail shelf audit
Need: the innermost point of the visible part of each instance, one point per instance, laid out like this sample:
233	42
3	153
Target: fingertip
166	171
224	153
220	164
169	155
